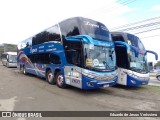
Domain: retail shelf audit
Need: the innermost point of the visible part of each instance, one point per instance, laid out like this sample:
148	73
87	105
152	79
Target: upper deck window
51	34
117	37
83	26
95	30
135	41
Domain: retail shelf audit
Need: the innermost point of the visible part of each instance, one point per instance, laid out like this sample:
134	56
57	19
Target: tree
157	64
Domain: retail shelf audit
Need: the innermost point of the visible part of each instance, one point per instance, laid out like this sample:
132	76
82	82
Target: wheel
24	70
7	65
49	77
60	80
158	77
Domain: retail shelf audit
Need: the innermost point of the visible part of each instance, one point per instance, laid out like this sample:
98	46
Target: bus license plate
106	85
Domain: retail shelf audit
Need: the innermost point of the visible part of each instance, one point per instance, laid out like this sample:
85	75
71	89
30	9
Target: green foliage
157	64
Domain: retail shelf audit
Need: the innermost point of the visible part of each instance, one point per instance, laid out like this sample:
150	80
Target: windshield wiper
138	69
97	69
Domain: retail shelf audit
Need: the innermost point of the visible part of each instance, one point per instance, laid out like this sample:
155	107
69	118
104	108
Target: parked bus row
83	53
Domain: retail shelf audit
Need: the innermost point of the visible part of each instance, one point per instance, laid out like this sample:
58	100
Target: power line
130	24
148	30
103	8
140	26
137	28
150	36
114	7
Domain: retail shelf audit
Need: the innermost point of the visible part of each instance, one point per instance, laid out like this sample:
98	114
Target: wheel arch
54	72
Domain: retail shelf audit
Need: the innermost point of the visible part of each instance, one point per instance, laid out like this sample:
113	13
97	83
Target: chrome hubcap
50	77
24	71
60	80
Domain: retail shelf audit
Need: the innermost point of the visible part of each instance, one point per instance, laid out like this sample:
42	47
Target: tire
50	78
24	70
60	80
158	77
7	65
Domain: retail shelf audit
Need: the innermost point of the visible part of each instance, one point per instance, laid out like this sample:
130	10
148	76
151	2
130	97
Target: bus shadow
132	88
117	90
91	92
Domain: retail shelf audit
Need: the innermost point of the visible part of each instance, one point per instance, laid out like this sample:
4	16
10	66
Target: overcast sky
20	19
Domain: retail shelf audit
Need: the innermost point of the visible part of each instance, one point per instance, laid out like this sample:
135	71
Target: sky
20	19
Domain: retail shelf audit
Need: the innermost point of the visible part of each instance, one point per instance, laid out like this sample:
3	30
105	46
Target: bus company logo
91	24
104	28
33	50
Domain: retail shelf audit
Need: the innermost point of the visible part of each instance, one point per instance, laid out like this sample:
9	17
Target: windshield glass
99	58
96	30
139	64
135	41
13	58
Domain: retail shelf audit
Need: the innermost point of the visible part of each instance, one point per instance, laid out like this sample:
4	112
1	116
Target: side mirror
149	51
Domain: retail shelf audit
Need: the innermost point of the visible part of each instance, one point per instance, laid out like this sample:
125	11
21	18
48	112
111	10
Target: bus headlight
137	77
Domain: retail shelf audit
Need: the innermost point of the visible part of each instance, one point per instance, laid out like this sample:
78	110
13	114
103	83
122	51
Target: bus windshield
135	41
96	30
12	58
99	58
138	64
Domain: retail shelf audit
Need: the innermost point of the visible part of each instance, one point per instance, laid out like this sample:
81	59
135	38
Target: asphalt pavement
154	81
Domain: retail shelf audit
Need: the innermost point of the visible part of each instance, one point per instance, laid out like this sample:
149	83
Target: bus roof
10	53
131	39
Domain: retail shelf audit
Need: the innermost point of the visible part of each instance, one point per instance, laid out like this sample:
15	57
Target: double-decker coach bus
77	52
131	58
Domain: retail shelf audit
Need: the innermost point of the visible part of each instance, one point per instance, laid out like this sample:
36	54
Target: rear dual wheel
158	77
24	70
59	79
50	78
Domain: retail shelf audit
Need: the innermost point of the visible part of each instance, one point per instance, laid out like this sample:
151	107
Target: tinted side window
31	57
133	39
25	44
74	53
54	59
117	38
53	34
40	38
4	56
69	28
44	58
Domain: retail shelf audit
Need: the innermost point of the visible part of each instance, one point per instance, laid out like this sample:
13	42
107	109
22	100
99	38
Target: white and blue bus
9	59
131	58
77	52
